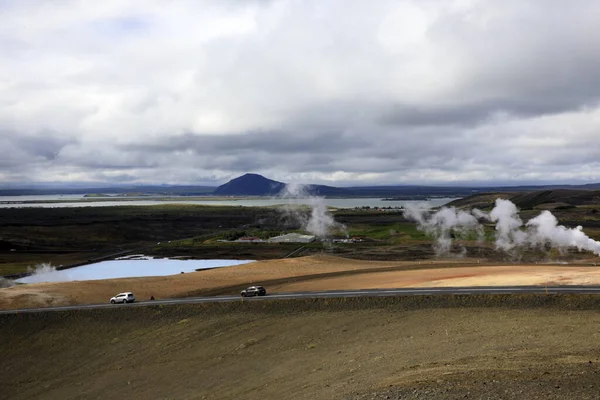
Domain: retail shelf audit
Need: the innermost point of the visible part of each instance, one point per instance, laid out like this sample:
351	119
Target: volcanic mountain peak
250	185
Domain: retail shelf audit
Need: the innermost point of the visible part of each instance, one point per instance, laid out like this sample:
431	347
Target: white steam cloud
511	234
546	230
445	224
6	283
44	272
319	222
508	225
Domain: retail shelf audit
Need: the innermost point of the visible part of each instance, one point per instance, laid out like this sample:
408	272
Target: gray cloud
330	91
277	141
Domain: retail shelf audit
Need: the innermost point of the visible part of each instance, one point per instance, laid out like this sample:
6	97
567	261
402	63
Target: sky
341	92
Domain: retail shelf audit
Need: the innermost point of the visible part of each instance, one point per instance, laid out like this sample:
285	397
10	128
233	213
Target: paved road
337	293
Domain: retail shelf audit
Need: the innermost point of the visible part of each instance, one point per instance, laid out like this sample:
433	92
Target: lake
7	202
125	268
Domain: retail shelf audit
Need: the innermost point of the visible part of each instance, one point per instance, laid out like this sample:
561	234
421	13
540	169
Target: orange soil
351	274
541	275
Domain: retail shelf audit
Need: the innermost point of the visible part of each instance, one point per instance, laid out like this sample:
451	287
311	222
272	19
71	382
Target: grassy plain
69	235
63	236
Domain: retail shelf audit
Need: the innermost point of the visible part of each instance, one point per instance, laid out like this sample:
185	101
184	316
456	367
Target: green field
63	236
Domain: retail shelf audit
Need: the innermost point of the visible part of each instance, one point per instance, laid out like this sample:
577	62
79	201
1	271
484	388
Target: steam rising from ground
547	231
45	272
511	234
445	224
5	283
508	225
319	222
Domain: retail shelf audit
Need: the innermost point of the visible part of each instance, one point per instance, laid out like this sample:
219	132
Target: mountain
250	185
258	185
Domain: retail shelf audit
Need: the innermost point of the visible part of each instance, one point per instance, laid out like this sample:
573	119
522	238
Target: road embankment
334	304
313	273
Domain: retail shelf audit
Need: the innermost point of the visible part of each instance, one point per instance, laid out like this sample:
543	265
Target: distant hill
257	185
250	185
532	199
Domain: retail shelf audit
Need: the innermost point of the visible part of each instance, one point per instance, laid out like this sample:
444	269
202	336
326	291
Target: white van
126	297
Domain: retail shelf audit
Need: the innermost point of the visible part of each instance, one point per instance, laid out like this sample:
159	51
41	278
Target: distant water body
129	268
47	201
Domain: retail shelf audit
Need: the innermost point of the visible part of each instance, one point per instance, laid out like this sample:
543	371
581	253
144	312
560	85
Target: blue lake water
125	268
13	201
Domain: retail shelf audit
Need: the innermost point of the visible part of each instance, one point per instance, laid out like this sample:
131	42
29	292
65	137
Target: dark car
254	291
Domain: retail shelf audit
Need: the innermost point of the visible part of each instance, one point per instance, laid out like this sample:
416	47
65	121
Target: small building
293	238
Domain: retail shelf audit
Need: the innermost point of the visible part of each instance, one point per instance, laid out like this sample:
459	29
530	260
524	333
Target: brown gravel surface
300	274
99	291
498	275
581	381
268	351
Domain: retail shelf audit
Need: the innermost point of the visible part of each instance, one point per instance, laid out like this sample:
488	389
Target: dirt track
306	273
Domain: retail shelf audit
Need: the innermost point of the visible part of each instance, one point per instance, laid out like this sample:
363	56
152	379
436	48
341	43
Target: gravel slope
273	351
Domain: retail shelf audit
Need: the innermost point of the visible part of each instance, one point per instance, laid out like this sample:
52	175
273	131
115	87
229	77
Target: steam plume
508	224
444	224
544	229
511	235
44	272
319	222
6	283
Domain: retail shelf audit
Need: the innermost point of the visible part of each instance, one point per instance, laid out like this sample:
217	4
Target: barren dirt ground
187	352
299	274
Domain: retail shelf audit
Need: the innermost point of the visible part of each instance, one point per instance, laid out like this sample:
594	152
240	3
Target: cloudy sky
339	92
